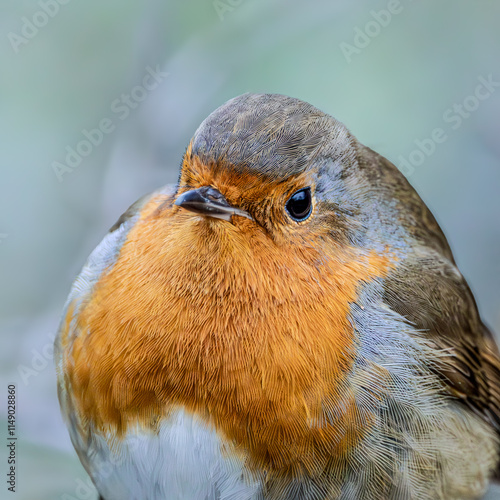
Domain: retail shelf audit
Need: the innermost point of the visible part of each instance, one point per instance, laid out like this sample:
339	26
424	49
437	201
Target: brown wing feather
435	298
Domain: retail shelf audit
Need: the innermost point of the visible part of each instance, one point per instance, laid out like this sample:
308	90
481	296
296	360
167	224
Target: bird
286	322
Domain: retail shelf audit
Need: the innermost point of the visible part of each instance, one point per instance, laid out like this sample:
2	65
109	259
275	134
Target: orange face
243	322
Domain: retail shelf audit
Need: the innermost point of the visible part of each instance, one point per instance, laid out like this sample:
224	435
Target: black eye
299	206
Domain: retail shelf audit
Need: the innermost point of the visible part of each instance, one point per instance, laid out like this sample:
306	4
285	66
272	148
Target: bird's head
275	165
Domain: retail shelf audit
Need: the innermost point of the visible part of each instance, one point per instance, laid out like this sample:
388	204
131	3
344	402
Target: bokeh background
65	71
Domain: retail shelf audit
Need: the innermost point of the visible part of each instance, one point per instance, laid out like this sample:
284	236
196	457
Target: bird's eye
299	206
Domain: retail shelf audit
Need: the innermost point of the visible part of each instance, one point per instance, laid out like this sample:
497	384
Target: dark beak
210	202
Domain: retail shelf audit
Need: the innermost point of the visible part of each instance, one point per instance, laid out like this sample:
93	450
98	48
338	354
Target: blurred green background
65	65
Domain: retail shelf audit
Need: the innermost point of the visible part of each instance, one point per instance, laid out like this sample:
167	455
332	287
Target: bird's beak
210	202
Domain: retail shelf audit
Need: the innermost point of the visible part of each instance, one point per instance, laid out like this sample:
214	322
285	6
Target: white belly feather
184	460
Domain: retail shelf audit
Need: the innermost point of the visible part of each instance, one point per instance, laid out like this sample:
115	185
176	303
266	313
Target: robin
287	322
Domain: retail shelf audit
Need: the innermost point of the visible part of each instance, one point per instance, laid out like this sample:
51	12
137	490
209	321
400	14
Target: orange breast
219	319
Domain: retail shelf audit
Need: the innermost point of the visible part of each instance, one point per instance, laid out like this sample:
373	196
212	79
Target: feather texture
261	358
